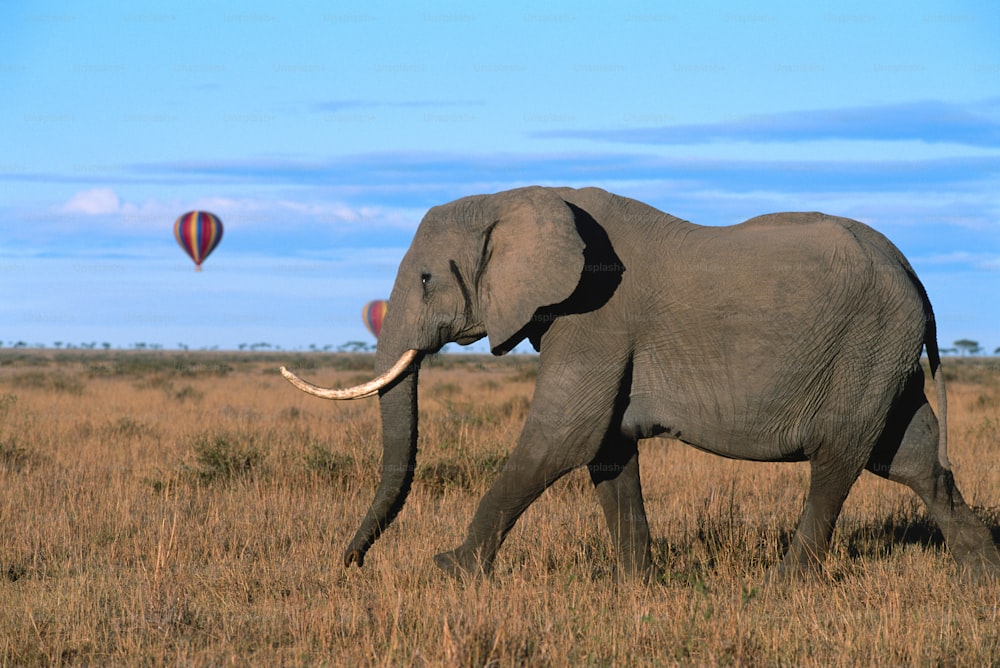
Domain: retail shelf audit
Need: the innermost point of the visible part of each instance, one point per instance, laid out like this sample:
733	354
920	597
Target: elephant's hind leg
913	461
615	474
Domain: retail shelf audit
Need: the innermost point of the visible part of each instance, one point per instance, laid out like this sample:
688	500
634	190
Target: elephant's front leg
564	430
615	473
531	468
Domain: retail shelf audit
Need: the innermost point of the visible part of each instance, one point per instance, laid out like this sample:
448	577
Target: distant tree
106	345
353	347
997	351
57	344
968	346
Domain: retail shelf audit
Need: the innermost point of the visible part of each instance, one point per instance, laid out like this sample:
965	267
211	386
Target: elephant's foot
643	573
788	572
982	565
460	566
648	576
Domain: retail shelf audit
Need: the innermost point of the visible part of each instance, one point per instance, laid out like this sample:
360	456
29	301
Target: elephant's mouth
466	339
470	333
362	391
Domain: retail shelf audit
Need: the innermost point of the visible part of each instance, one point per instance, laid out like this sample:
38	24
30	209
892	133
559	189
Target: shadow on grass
879	538
762	545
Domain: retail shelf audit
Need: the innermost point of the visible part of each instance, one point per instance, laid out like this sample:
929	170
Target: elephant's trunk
397	387
399	458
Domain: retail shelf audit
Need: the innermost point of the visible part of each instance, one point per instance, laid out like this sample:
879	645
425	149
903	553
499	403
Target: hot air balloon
198	233
373	313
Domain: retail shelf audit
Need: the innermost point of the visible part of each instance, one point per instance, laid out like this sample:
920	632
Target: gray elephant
789	337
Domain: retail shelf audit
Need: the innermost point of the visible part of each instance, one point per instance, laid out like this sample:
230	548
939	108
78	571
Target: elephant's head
479	266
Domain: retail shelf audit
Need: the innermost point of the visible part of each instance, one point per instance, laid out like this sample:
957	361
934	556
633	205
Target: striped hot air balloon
373	313
198	233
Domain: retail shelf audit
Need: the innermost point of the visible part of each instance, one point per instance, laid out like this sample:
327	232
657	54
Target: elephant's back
799	315
824	228
790	218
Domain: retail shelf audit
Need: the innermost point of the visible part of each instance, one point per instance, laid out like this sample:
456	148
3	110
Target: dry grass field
192	509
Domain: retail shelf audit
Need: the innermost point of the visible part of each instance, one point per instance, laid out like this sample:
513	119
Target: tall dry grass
192	509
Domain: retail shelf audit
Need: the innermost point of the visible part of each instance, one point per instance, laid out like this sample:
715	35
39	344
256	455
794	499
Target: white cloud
96	202
116	212
238	212
249	211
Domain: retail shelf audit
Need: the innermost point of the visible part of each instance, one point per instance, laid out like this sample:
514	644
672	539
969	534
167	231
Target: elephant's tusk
362	391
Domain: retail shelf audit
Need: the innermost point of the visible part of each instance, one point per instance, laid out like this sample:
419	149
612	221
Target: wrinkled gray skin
790	337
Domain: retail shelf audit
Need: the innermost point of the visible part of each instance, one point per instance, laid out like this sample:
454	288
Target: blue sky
320	133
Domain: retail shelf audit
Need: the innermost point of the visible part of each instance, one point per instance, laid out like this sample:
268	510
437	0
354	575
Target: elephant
788	337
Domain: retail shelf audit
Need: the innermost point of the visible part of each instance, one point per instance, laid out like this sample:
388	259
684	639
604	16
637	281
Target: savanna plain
192	509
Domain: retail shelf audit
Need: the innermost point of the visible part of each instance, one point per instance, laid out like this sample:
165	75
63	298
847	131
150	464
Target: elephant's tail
937	373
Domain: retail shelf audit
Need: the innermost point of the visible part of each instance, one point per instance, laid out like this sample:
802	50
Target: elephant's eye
425	278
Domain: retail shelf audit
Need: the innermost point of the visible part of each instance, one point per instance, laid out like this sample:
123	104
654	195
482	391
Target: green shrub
226	456
16	457
329	464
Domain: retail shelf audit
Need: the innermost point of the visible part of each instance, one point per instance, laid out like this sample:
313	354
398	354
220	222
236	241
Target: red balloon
198	233
372	314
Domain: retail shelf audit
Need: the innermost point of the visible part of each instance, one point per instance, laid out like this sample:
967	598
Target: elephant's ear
533	257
